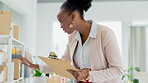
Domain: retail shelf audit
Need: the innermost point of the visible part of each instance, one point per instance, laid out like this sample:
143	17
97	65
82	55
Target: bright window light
60	39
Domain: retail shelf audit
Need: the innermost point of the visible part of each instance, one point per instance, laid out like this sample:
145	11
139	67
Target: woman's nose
61	27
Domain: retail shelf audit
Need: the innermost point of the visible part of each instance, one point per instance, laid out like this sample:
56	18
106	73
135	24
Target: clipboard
59	66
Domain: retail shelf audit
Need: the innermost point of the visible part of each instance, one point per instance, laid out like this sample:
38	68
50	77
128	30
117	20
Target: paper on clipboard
59	66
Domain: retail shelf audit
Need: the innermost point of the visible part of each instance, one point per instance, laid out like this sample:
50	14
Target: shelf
18	79
10	41
4	39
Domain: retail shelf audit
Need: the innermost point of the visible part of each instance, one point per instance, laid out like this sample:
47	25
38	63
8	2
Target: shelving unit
4	40
10	42
18	79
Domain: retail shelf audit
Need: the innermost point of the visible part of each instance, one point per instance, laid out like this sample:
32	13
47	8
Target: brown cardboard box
57	79
5	22
16	68
5	73
48	80
2	53
16	32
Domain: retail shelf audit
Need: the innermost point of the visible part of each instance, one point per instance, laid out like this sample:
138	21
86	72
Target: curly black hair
77	5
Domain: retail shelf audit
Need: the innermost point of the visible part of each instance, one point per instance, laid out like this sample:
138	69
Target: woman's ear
73	16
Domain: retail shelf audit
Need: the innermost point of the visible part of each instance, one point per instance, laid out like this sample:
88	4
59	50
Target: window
60	39
139	45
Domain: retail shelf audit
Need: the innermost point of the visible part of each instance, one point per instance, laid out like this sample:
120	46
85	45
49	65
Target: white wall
46	15
28	9
147	49
21	6
126	12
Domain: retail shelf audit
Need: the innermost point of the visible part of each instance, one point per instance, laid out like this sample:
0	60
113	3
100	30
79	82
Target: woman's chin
68	32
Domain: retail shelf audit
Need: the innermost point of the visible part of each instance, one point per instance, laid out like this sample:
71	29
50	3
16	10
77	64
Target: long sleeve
113	58
45	69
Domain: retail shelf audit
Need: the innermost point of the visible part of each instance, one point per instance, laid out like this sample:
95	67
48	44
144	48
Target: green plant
37	73
129	74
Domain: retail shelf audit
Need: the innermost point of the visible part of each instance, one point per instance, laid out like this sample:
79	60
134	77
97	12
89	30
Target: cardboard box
5	22
48	80
16	68
57	79
16	32
3	75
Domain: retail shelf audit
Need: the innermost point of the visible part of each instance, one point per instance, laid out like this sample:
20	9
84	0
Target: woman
91	48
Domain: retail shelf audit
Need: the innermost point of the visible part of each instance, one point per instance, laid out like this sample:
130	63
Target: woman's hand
80	74
27	63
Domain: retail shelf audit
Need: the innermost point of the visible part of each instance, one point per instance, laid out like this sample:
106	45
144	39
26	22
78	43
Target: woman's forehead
61	14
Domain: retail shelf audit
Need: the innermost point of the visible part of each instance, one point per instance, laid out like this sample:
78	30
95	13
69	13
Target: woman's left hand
80	74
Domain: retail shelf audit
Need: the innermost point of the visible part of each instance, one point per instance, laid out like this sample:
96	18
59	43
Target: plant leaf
37	73
137	69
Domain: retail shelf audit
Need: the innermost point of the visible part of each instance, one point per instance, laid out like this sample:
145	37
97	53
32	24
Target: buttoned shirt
82	53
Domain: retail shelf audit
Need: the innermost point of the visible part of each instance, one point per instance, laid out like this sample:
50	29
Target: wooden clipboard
59	66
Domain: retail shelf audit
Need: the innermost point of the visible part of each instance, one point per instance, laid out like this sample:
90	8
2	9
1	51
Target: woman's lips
64	30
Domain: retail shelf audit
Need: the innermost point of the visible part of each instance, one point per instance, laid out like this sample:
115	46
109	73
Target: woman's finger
74	73
19	58
27	60
71	71
24	60
24	63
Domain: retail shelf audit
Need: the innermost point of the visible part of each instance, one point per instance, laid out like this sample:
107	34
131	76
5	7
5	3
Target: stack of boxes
5	29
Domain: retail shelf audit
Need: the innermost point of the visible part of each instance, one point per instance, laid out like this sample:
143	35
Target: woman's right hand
27	63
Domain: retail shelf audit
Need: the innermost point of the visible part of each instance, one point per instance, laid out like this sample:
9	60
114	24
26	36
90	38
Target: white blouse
81	55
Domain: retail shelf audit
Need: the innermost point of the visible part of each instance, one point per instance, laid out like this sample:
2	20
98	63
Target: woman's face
65	20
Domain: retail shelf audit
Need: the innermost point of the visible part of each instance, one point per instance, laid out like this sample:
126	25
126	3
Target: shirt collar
78	36
93	31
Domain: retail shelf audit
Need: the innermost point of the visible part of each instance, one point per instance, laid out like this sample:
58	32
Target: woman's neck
84	28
